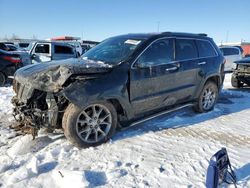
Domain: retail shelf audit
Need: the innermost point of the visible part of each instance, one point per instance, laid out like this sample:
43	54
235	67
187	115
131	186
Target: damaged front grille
38	109
23	92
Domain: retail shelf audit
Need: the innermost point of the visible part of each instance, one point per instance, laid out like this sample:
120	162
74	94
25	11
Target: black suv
124	79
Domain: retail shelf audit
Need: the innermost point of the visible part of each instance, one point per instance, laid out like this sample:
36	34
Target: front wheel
208	97
90	125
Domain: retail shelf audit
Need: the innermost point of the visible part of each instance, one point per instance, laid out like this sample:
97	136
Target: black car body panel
134	88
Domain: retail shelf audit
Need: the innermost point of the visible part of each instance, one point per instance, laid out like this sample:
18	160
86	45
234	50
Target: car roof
163	34
54	42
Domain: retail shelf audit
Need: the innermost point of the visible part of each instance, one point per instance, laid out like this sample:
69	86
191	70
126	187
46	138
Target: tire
207	98
2	79
235	82
84	128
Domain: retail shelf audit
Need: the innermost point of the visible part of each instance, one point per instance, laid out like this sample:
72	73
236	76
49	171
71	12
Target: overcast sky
224	20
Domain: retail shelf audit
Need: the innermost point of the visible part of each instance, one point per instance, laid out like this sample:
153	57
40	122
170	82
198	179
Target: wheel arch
216	78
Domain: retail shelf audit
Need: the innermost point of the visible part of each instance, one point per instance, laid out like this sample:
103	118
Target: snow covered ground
170	151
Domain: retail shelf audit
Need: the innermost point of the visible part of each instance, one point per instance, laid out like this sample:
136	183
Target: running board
161	113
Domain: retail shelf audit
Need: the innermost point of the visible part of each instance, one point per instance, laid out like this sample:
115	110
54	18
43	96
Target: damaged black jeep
241	74
124	79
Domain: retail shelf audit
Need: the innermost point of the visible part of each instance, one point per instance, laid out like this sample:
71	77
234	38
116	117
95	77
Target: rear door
61	51
186	55
207	58
153	77
41	53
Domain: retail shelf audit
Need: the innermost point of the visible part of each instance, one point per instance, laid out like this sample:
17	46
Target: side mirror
33	56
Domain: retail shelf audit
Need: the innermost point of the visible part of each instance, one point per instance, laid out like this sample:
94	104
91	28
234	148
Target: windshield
113	50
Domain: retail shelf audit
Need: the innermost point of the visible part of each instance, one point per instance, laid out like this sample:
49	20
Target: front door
153	77
41	53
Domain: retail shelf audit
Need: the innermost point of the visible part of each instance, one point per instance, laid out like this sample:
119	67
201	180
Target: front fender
81	93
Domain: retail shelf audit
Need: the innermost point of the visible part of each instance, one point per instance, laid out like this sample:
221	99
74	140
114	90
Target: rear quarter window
230	51
205	49
185	49
63	49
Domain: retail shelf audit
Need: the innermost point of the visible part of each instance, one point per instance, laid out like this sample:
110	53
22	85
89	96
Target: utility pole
158	26
227	36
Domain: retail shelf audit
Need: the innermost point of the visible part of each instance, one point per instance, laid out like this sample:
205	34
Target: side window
63	50
235	51
185	49
160	52
42	49
230	51
205	49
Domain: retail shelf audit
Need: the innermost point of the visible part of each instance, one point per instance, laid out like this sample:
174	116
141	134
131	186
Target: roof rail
203	34
166	32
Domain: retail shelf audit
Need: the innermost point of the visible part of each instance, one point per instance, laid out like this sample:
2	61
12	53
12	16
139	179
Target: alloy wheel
208	99
93	123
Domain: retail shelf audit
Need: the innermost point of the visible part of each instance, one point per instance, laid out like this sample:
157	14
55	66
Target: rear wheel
208	97
2	79
90	125
235	82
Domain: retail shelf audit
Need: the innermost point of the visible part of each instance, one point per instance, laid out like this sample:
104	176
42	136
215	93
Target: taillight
225	61
13	59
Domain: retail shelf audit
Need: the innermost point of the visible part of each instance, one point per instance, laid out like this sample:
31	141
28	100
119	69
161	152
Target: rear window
63	50
205	49
185	49
230	51
42	48
24	45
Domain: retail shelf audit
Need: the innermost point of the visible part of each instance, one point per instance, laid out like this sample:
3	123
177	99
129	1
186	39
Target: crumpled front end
242	72
35	109
39	100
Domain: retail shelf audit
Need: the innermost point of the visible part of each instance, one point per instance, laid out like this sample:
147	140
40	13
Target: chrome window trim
172	62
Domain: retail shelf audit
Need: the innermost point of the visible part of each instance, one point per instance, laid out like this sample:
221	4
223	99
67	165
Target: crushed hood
243	61
52	75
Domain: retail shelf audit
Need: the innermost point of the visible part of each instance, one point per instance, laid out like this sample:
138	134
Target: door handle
202	63
172	69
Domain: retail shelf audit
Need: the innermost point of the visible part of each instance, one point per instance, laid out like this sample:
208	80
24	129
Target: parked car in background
87	45
25	56
9	63
241	74
12	47
125	79
47	51
231	54
3	46
241	49
77	46
23	45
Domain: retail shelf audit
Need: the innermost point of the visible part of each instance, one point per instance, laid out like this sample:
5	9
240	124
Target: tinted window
185	49
230	51
23	45
42	48
63	50
160	52
205	49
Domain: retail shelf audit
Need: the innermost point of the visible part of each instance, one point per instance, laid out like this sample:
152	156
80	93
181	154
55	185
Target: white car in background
231	55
